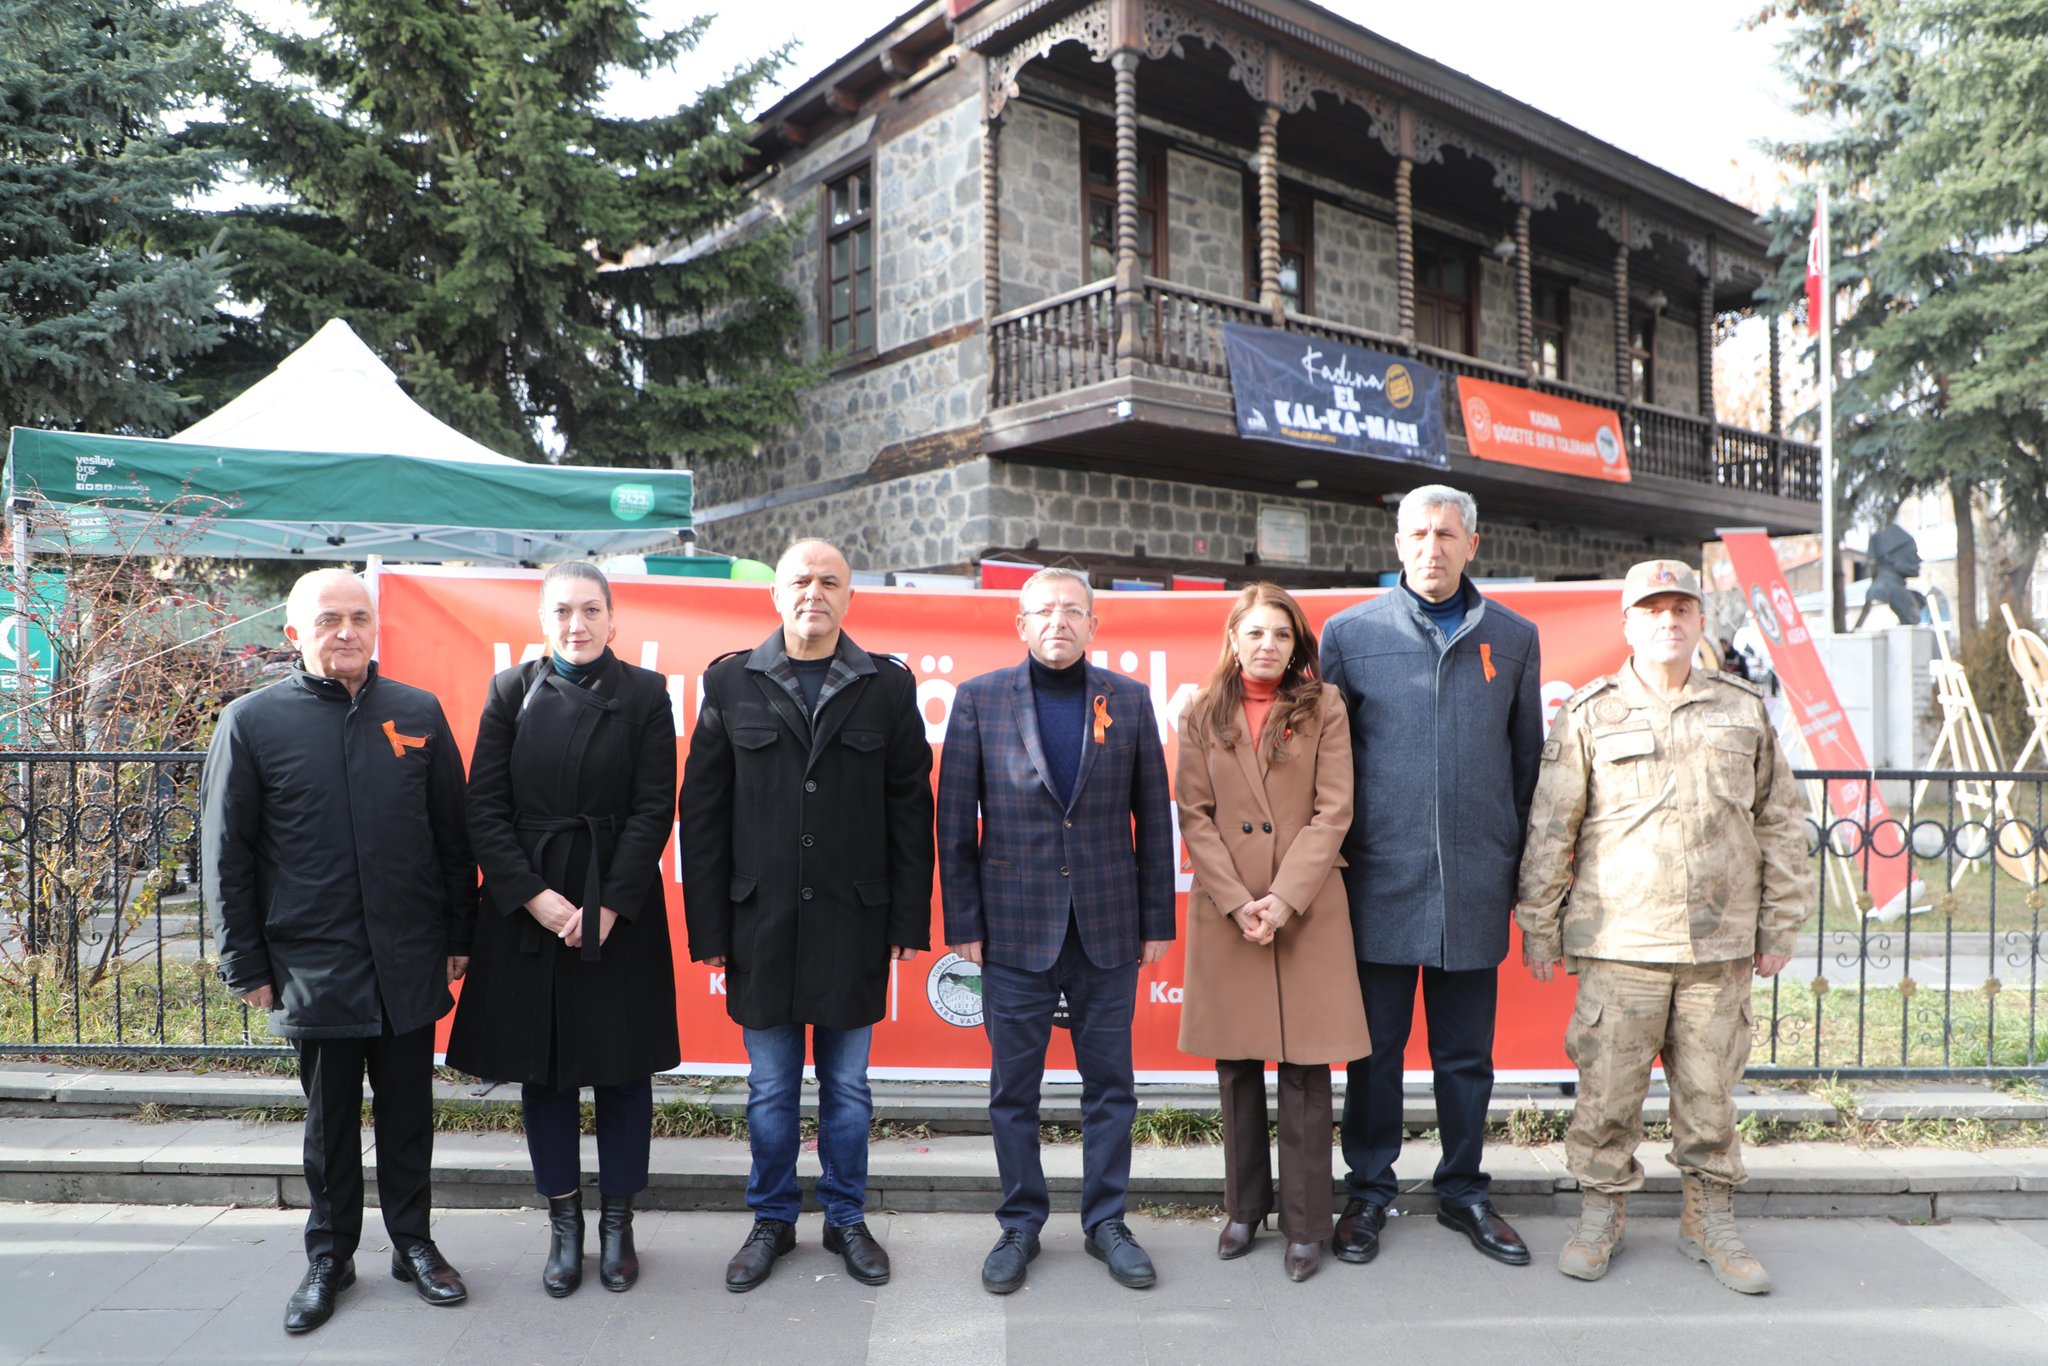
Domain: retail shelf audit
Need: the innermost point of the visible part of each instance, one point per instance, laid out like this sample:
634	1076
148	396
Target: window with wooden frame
1297	246
1642	355
1551	316
1098	204
849	274
1446	297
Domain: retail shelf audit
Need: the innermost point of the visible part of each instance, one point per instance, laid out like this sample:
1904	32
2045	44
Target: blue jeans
774	1120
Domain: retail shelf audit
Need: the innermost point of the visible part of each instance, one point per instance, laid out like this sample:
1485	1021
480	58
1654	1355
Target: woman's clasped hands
1261	918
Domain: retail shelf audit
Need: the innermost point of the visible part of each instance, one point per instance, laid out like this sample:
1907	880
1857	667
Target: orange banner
449	630
1542	431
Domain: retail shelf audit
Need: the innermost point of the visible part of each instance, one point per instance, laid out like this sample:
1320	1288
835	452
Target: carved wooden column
991	221
1624	386
1707	341
1130	286
1777	381
1404	246
1270	298
1525	294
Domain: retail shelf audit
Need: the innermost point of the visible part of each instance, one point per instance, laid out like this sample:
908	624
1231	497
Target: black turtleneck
1059	697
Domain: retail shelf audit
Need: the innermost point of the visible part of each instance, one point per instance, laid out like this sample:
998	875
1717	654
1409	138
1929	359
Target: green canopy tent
110	494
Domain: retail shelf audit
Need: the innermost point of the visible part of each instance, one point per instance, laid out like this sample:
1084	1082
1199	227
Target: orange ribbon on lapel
1486	660
1102	721
401	743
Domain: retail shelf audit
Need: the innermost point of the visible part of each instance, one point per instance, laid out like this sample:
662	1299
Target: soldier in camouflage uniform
1666	862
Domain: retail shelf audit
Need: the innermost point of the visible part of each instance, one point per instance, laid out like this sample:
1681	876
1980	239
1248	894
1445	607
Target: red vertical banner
449	630
1866	828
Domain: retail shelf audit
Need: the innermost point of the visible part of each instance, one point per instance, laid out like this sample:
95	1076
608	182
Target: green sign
46	599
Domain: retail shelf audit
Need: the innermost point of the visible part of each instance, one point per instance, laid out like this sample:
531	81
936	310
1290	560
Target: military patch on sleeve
1551	749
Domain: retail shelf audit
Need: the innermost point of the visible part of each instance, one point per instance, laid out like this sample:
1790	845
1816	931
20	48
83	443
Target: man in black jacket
807	867
339	876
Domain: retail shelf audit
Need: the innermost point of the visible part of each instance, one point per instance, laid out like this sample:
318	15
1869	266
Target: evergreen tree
455	194
1936	158
96	310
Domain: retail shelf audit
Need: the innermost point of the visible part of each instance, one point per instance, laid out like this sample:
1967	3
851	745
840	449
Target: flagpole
1830	555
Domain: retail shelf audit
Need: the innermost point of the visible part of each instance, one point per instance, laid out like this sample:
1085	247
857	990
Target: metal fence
105	945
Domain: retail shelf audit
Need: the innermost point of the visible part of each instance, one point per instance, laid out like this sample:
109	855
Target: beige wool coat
1251	828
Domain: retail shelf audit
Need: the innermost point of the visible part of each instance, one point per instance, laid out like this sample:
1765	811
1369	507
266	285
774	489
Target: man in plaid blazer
1056	866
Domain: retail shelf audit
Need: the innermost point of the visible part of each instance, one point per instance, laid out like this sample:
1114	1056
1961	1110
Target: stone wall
1678	364
1496	311
1205	245
929	520
1355	277
1589	340
928	269
1038	169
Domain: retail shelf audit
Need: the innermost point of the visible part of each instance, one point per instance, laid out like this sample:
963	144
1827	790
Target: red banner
449	630
1542	431
1830	743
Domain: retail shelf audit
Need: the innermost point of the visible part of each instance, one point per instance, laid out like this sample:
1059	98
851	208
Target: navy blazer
1010	877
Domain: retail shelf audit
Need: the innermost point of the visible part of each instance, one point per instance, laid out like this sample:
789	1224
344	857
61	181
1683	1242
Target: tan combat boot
1595	1238
1706	1231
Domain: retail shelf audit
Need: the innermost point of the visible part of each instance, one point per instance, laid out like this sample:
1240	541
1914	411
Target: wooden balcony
1058	393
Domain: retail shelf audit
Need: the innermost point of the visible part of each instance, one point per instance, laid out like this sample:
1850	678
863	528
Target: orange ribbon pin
1102	721
401	743
1486	660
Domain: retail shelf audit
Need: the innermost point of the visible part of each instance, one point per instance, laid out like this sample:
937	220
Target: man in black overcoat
807	868
338	874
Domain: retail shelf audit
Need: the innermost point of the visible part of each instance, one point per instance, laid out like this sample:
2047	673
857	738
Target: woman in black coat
571	979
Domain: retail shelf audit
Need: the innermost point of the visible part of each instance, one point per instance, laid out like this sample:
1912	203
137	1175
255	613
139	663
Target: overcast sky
1683	85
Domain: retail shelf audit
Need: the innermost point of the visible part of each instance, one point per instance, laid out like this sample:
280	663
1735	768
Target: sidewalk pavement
121	1284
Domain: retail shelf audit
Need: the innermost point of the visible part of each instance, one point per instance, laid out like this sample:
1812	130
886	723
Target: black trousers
1460	1008
401	1071
554	1136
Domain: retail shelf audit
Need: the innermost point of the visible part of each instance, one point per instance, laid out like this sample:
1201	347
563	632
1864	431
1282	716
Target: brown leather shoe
1235	1240
1303	1259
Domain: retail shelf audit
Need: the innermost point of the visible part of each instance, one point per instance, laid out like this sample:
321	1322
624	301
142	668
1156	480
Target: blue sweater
1059	697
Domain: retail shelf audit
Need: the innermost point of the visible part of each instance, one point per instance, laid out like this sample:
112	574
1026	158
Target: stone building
1028	221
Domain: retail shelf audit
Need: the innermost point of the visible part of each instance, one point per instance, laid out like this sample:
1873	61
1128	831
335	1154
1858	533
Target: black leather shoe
1112	1244
312	1304
1303	1259
429	1272
755	1260
1235	1240
1003	1269
1358	1231
866	1260
1490	1233
618	1261
564	1271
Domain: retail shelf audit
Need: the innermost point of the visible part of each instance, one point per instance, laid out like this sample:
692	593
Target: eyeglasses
1065	611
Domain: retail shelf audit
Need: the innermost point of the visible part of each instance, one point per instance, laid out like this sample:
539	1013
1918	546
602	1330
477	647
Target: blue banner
1310	391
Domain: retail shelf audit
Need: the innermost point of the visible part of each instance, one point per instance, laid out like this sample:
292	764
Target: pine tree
1936	159
97	310
456	195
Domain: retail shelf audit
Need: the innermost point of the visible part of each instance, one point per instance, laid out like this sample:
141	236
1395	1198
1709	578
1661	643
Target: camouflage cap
1651	577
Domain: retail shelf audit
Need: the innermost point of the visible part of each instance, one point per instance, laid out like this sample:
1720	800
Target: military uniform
1667	845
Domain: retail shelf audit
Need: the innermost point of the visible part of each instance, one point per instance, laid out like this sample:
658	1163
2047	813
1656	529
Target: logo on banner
631	502
1478	419
1609	446
1400	388
954	989
1766	616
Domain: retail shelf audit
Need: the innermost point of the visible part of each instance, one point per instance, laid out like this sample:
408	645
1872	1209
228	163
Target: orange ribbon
1102	721
401	743
1486	660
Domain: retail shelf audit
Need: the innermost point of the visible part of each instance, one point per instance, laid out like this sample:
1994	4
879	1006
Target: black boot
618	1265
564	1271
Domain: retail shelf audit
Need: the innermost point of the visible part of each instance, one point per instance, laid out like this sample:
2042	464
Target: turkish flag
1816	243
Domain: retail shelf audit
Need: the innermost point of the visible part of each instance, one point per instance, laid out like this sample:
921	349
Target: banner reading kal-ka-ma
1311	391
449	630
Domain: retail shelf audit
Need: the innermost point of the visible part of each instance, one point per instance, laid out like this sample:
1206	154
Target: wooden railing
1069	341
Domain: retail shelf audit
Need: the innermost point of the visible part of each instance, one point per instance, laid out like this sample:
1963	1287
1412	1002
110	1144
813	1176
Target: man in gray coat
1444	693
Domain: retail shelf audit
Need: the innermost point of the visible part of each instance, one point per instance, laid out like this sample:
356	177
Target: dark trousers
1460	1009
401	1071
1305	1215
554	1136
1017	1010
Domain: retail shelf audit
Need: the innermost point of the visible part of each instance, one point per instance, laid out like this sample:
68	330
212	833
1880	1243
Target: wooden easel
2029	656
1967	741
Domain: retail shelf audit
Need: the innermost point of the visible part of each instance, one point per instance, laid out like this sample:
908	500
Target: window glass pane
1454	276
1144	177
1550	359
1101	164
860	191
864	289
1101	262
1102	223
863	249
840	334
839	256
864	330
842	295
1145	234
1290	222
1290	276
842	207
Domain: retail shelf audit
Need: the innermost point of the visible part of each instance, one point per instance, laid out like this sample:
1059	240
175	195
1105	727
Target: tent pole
24	665
373	566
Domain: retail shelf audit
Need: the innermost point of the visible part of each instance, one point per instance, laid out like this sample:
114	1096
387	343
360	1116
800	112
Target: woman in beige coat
1264	789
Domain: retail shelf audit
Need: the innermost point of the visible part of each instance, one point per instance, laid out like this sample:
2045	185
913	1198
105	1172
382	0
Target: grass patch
1169	1126
1818	1024
1531	1126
